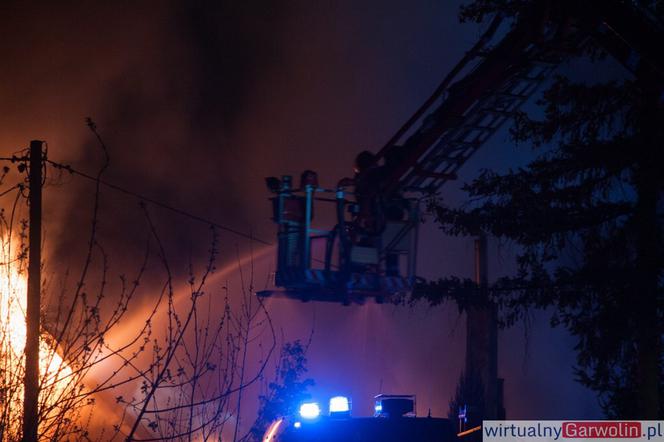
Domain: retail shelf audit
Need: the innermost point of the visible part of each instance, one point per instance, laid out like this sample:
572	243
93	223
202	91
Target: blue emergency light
309	410
339	404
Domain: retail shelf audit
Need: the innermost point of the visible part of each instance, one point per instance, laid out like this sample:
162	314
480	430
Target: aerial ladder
485	89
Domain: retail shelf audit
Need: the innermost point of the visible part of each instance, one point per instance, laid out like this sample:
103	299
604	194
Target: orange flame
53	370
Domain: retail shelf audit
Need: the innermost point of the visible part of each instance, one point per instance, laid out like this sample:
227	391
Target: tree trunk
646	310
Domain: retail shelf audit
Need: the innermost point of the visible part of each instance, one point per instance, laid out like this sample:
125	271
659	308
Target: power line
14	158
155	202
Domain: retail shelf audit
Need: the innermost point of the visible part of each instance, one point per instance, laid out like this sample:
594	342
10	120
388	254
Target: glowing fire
53	370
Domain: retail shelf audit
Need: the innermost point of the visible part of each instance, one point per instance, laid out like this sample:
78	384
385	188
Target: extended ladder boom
496	81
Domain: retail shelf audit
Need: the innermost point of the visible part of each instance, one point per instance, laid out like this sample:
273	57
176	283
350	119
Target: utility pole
31	381
482	338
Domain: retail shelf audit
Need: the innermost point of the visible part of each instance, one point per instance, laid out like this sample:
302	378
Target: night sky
199	101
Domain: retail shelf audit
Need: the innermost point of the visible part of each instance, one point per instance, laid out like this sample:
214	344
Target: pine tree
286	392
586	215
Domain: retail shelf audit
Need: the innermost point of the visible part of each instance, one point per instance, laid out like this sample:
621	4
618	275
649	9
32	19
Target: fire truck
371	250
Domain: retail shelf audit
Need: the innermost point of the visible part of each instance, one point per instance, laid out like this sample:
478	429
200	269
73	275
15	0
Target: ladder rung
510	95
535	79
500	112
459	145
421	172
479	128
448	159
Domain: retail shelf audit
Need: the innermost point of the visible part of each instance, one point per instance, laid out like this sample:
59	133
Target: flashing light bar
339	404
309	410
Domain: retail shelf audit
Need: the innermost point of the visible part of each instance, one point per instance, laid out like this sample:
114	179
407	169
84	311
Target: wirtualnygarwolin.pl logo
572	431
